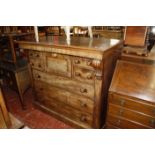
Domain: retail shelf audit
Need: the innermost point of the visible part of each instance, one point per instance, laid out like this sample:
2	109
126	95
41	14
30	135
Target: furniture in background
136	40
14	67
113	32
131	100
71	82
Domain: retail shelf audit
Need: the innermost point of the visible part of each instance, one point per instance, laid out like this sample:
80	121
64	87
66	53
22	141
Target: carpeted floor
31	117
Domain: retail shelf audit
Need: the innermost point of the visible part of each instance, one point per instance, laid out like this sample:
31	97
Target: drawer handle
83	104
152	122
77	74
39	65
37	55
118	122
83	90
122	102
89	63
32	64
77	61
39	76
121	111
54	55
31	54
83	118
89	76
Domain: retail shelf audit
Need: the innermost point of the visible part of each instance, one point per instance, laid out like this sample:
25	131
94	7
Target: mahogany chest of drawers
71	81
131	100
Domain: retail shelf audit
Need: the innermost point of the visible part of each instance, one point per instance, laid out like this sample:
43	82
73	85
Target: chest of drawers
71	81
131	101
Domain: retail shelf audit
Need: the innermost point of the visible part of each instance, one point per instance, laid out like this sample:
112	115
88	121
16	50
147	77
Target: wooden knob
32	64
39	76
89	76
54	55
121	111
83	118
39	65
77	74
37	55
83	104
77	61
31	54
83	90
152	122
89	63
122	102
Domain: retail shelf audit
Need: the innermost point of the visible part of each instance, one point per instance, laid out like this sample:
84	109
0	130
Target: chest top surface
134	80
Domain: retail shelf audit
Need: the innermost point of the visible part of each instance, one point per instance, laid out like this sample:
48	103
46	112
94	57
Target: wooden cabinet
73	82
131	101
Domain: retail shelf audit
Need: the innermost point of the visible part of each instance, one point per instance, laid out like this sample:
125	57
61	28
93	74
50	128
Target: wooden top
134	80
95	47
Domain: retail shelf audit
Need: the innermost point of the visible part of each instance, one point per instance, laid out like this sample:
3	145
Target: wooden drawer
58	64
37	64
134	116
65	111
123	123
73	100
65	83
83	75
136	105
83	62
35	54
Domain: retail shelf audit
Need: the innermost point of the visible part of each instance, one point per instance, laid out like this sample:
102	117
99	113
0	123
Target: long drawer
65	83
137	105
124	123
132	115
67	112
71	99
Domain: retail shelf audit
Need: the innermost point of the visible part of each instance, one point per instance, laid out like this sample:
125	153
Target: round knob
37	55
118	122
89	76
122	102
77	74
152	122
39	76
32	64
121	111
83	118
77	61
39	65
54	55
83	90
88	63
83	104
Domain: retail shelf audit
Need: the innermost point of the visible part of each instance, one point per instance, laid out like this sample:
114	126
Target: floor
31	117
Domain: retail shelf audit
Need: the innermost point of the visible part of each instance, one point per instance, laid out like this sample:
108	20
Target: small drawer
82	62
37	64
58	64
137	105
123	123
134	116
83	75
35	54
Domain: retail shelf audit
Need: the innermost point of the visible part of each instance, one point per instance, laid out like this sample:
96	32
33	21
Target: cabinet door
4	116
58	64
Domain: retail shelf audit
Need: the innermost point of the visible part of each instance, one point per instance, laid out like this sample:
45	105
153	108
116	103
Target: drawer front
83	75
132	104
65	83
35	54
82	62
123	123
65	111
132	115
58	64
73	100
37	64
